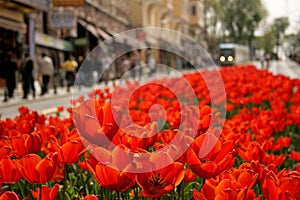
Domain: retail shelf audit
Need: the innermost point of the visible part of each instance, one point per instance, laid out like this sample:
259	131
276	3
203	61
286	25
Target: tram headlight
222	58
230	58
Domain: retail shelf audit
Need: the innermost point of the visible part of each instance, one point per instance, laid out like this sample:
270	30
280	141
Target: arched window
194	10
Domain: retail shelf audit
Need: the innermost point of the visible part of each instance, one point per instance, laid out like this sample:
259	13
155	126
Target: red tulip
270	186
47	193
36	170
255	151
162	181
189	176
10	171
9	196
295	155
109	168
208	156
26	143
90	197
234	184
289	184
69	152
282	186
97	124
134	137
198	195
4	151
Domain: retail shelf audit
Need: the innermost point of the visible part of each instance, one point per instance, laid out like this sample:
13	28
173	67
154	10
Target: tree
213	14
241	18
267	40
279	27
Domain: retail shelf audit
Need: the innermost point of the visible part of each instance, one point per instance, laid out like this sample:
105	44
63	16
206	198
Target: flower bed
254	149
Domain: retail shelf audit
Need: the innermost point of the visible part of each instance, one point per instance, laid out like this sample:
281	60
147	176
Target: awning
91	28
152	41
103	34
123	38
12	25
52	42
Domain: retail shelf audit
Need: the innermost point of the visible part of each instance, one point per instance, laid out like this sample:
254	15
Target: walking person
70	66
27	77
46	69
179	63
267	58
2	76
10	68
262	61
152	65
133	64
136	63
139	63
80	75
125	65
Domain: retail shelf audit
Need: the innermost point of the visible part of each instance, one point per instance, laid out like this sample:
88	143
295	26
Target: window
194	10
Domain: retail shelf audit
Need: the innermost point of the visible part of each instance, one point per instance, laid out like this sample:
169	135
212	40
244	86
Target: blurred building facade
59	27
13	28
184	16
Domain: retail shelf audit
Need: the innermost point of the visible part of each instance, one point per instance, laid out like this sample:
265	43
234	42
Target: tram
231	54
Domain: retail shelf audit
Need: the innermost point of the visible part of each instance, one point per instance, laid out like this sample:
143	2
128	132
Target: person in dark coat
3	75
27	77
10	68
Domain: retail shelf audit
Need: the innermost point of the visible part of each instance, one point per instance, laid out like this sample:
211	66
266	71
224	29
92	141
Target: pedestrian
139	63
70	66
133	64
262	61
46	70
125	65
80	75
10	68
267	58
27	71
136	63
152	65
2	76
179	63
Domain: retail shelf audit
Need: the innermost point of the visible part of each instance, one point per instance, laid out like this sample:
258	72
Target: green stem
182	190
65	182
101	192
21	188
118	195
135	192
41	191
83	182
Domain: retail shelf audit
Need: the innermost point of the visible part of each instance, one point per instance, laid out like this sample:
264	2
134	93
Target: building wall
136	11
111	15
172	14
196	20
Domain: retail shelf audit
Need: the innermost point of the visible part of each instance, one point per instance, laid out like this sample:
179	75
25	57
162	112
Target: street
62	98
10	109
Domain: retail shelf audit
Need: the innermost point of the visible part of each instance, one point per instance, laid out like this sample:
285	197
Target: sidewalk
18	96
17	100
285	67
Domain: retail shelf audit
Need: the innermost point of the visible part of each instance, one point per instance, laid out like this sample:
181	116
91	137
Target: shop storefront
12	31
57	48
